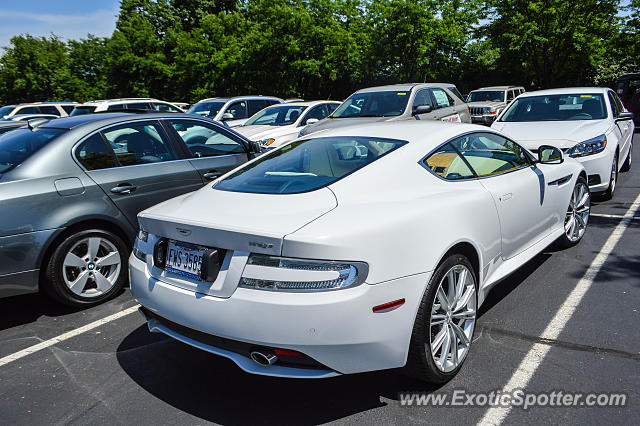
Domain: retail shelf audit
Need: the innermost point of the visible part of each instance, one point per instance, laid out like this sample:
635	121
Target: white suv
125	103
233	111
61	109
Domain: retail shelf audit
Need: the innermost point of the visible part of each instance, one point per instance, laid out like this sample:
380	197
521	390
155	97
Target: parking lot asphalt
118	372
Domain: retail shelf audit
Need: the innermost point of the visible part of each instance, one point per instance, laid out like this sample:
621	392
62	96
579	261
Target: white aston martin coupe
355	249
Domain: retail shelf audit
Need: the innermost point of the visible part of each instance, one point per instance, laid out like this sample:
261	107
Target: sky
69	19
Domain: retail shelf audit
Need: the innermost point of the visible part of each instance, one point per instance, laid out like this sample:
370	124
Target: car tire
435	324
577	215
627	163
87	268
613	179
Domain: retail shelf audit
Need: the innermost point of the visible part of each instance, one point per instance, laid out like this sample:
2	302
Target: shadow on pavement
215	389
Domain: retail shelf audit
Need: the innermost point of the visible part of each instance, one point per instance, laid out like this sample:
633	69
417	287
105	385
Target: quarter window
205	141
238	110
490	154
614	105
422	98
94	154
49	109
139	143
448	164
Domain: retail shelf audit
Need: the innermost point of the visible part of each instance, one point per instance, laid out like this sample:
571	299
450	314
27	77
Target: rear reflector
389	305
287	352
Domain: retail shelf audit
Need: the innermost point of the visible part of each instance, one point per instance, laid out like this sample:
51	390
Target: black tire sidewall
420	362
55	284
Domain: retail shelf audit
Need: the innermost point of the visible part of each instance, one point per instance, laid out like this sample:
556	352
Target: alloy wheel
91	267
577	216
453	317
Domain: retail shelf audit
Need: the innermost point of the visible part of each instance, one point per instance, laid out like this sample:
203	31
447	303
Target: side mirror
255	147
311	121
227	116
549	155
625	116
422	109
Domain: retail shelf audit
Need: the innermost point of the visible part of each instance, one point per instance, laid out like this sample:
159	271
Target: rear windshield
20	144
82	110
307	165
566	107
208	109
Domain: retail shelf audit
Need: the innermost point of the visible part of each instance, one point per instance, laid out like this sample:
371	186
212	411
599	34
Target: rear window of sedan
307	165
18	145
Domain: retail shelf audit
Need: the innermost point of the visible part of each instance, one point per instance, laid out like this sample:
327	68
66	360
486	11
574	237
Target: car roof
239	98
47	103
102	119
496	88
304	103
121	100
404	86
567	91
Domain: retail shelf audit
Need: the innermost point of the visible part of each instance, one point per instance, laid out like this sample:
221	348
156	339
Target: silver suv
487	103
419	101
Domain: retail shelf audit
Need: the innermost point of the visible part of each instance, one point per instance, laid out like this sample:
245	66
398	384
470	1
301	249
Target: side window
490	154
204	140
446	163
422	98
238	110
256	105
614	105
159	106
94	154
318	111
49	109
272	102
443	100
511	95
67	108
115	106
28	110
616	98
139	143
138	105
332	107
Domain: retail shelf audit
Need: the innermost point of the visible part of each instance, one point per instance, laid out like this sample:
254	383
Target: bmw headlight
589	147
273	273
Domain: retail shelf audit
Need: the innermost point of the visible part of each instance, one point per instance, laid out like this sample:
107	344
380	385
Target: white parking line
535	356
68	335
612	216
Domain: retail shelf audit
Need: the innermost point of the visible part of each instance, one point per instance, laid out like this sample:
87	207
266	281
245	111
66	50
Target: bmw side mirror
255	147
422	109
549	155
624	116
227	116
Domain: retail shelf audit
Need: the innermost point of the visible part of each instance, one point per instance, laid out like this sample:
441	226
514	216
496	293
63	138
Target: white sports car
587	123
355	249
279	124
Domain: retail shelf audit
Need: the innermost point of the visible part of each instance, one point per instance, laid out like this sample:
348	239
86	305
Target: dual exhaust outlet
264	359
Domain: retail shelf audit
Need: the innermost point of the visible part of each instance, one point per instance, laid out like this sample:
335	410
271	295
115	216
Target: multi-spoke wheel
577	216
443	330
87	268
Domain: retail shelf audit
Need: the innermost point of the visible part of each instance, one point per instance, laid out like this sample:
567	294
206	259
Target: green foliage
191	49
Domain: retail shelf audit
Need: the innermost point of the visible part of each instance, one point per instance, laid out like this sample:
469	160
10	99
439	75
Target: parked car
70	190
420	101
487	103
59	109
146	104
587	123
628	89
279	124
334	278
29	117
233	111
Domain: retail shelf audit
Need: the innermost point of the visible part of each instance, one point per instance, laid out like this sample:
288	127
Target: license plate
184	259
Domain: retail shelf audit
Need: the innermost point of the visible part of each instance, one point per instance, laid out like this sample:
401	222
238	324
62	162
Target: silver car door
445	107
148	170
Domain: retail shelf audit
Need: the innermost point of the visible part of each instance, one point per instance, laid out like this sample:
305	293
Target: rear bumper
338	329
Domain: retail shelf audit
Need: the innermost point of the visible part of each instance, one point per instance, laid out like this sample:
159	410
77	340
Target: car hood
259	132
236	220
561	134
485	103
334	123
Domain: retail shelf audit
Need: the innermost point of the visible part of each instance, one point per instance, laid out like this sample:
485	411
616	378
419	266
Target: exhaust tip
263	359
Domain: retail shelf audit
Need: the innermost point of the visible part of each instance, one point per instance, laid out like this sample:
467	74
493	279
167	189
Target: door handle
212	174
123	188
505	197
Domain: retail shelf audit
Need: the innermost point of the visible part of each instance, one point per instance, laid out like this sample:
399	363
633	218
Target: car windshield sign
565	107
208	109
280	115
20	144
373	104
307	165
487	96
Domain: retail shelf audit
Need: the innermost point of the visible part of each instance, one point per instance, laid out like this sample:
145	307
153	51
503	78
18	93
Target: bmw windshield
18	145
389	103
566	107
307	165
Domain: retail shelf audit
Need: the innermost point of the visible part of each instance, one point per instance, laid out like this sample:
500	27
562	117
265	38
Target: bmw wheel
577	215
444	326
88	268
